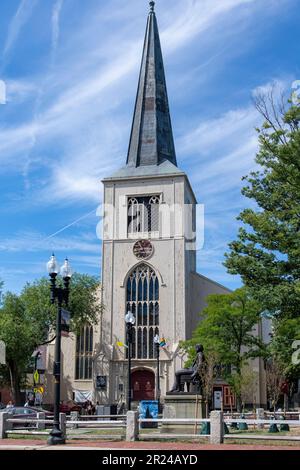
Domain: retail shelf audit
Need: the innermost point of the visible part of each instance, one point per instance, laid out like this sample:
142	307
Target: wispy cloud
86	98
35	242
55	25
68	117
20	18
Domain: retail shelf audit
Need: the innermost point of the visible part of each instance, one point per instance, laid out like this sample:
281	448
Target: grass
27	437
120	433
257	442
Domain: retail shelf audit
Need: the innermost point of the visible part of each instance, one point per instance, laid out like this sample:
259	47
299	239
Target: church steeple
151	139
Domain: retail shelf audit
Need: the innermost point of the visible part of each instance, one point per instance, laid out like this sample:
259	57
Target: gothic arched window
84	353
142	300
143	214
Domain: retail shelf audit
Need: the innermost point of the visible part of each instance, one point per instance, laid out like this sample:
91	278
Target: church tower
148	256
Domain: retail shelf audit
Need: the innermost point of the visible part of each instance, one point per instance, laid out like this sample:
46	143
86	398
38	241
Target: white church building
148	259
149	253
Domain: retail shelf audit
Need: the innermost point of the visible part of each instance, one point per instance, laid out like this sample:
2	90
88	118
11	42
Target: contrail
69	225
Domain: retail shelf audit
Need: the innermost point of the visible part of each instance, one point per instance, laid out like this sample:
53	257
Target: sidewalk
26	444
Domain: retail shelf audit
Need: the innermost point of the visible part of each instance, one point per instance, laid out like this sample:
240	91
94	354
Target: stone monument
184	400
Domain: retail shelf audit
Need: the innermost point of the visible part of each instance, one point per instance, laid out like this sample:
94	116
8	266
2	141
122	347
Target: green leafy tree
27	320
227	329
17	331
1	290
266	253
282	355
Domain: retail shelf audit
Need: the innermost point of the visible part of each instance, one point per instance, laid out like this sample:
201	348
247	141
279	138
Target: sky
69	70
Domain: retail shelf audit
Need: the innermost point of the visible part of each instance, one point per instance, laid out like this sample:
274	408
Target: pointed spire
151	139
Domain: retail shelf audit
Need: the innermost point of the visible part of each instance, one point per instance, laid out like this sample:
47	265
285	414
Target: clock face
143	249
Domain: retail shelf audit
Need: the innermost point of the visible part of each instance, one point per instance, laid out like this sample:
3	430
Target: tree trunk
206	408
238	395
15	383
238	403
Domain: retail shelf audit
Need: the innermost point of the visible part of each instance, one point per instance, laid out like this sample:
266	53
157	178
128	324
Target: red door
143	383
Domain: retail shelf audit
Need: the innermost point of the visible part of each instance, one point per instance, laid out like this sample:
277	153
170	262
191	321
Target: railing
132	427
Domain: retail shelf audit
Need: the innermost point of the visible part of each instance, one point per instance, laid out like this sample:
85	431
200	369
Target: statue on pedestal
190	375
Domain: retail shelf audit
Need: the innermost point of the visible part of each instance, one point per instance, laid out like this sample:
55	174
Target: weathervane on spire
152	4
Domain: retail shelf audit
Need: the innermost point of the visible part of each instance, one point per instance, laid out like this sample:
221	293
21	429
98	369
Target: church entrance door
143	385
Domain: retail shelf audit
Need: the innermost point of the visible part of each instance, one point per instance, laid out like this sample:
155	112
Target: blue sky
71	70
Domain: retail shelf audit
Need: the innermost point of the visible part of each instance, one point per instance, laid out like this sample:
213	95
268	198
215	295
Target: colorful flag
162	342
121	345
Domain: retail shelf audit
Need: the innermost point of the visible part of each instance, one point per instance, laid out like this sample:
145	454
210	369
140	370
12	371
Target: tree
17	331
286	332
27	320
1	287
266	253
227	329
249	384
208	375
275	379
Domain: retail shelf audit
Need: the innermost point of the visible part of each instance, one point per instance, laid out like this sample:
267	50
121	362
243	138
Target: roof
165	168
151	139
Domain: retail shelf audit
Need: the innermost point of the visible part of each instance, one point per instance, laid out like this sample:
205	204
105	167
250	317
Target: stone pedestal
183	406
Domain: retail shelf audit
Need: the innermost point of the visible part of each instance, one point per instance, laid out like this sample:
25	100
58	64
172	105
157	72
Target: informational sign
101	382
36	377
217	399
39	390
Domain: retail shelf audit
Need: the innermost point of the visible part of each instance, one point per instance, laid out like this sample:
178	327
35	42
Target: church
149	246
148	261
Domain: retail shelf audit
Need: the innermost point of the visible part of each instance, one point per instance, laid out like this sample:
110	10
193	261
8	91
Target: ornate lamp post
130	321
156	341
61	294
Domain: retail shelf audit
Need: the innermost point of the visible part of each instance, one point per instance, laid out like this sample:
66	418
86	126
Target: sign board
65	320
217	399
101	382
36	377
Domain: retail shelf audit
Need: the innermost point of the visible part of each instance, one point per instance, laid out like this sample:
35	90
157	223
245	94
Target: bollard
4	425
260	414
40	425
74	417
63	424
132	426
216	427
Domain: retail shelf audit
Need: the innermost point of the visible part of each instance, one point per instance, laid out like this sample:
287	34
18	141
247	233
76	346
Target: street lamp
130	321
61	294
156	341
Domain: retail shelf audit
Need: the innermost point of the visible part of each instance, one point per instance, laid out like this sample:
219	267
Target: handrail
29	420
263	421
106	423
99	416
174	420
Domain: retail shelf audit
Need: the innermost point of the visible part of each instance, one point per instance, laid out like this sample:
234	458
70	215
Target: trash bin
148	410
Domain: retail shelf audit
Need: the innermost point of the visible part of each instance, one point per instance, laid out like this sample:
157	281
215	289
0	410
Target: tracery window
143	214
84	353
143	301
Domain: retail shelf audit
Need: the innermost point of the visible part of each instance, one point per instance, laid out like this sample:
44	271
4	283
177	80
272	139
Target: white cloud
55	24
82	100
35	242
230	128
19	91
20	18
